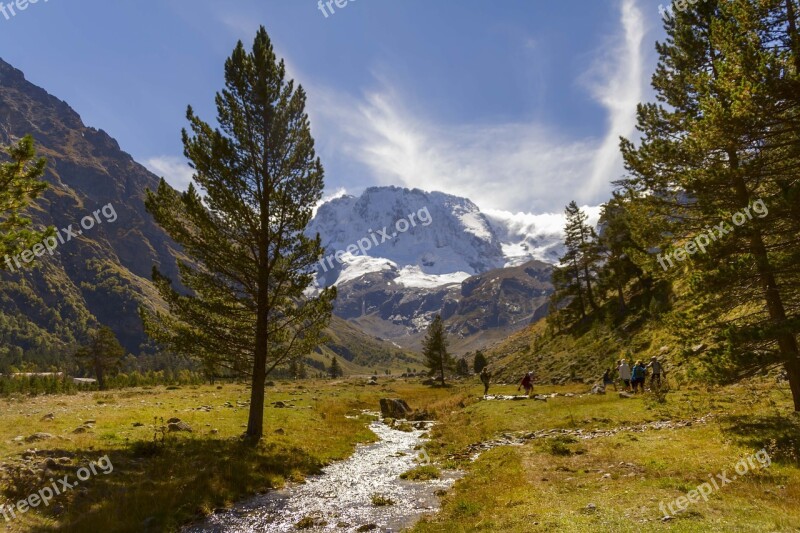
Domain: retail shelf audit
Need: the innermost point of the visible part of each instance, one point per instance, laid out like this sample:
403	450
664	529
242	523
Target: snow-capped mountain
399	257
427	239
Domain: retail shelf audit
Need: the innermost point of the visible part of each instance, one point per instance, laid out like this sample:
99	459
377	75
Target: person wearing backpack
526	383
485	377
638	376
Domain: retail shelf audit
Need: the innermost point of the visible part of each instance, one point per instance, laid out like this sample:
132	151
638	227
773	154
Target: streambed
340	499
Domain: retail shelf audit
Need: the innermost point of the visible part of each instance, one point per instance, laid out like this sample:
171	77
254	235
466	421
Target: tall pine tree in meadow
719	157
241	223
434	348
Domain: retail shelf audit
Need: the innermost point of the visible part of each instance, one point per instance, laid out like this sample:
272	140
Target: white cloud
619	85
175	170
518	166
338	193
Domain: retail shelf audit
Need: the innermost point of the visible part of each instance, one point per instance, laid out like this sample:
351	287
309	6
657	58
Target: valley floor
574	463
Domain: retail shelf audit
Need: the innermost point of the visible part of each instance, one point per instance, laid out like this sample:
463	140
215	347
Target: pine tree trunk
621	294
794	39
255	421
777	312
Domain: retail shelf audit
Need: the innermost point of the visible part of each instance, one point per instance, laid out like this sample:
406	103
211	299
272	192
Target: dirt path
519	438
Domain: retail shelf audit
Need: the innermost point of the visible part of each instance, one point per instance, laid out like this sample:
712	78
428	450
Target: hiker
485	377
608	380
624	373
655	366
526	383
638	375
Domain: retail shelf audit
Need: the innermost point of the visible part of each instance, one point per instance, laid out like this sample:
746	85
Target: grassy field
560	482
158	487
618	482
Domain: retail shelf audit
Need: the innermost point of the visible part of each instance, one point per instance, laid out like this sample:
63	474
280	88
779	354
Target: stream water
340	499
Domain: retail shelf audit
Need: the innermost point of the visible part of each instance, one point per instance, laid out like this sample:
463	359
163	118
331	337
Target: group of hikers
633	378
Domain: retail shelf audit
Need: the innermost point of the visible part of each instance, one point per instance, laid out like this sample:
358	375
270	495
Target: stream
340	499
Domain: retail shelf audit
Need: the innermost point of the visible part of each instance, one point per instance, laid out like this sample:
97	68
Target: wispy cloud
525	166
175	170
618	83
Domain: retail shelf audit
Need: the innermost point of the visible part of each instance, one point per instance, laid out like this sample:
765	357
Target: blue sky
516	104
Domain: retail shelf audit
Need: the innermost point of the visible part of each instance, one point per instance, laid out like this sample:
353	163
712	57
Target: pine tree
480	362
335	370
722	140
20	184
241	224
462	367
434	348
103	354
575	275
617	245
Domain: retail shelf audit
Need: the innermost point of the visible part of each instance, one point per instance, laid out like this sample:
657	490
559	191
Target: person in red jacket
526	383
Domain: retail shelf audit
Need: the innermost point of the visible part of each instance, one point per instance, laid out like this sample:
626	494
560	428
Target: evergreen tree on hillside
434	348
480	362
462	367
617	245
723	141
241	225
103	354
574	277
20	184
335	370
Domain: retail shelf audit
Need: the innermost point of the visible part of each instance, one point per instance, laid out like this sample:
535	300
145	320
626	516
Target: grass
617	482
559	482
421	473
159	487
379	500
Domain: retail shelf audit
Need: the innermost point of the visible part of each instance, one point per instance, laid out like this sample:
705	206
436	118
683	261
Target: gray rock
179	426
394	408
39	436
624	394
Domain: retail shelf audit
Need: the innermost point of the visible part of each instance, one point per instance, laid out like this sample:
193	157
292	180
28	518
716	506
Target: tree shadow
174	484
778	435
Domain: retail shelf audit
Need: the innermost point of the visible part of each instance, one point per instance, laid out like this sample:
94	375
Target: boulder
598	389
38	436
624	394
540	397
179	426
394	408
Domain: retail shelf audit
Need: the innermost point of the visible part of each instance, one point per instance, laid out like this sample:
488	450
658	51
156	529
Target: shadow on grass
179	483
778	435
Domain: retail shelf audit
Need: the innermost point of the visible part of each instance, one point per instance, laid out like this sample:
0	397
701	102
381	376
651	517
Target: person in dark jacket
638	375
526	383
485	377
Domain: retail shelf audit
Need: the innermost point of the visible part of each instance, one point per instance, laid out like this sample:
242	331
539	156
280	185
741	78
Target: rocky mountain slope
102	276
